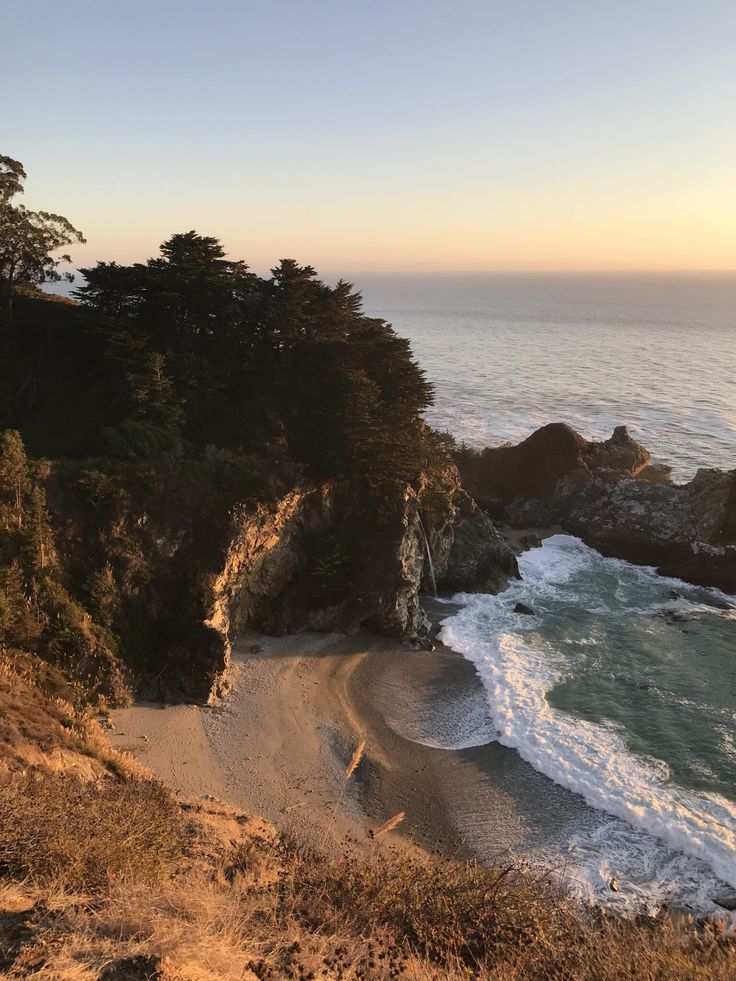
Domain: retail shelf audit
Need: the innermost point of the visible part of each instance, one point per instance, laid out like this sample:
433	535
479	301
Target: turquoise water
509	353
663	673
622	688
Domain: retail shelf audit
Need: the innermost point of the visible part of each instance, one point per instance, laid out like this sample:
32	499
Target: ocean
509	353
622	686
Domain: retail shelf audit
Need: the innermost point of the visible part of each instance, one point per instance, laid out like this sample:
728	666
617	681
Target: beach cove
277	745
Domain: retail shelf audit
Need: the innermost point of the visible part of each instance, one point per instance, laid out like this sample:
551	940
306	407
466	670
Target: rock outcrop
479	559
682	530
334	557
611	496
533	470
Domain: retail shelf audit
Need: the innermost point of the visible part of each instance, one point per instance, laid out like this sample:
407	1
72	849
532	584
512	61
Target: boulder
656	473
524	609
726	900
530	541
620	453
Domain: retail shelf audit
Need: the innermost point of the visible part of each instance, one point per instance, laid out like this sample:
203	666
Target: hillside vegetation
103	876
137	421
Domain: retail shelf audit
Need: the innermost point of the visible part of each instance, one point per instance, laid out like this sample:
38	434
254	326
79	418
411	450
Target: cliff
337	557
153	573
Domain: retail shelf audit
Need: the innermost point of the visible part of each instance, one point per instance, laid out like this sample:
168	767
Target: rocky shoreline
459	533
615	499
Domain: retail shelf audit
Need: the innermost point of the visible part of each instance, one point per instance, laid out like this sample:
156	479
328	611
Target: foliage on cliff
170	393
38	612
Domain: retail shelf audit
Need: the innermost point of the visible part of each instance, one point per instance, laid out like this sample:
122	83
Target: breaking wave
588	690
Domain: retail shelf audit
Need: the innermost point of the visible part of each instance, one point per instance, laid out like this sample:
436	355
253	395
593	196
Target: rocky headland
342	556
614	498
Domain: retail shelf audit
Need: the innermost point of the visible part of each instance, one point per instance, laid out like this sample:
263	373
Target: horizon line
540	271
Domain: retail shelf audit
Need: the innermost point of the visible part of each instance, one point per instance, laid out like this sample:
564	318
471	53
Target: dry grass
107	878
261	908
390	825
55	827
41	727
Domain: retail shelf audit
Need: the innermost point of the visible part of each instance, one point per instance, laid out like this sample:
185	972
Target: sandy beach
277	745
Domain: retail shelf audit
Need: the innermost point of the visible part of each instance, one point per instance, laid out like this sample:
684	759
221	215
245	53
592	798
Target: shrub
55	827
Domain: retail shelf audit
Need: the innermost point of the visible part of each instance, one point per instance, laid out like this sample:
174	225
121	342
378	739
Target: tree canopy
12	176
248	358
29	240
192	349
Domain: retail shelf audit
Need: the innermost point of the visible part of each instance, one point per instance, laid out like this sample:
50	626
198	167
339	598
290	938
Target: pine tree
104	595
153	393
14	472
39	538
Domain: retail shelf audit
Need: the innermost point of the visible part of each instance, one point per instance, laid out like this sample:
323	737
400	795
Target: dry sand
277	745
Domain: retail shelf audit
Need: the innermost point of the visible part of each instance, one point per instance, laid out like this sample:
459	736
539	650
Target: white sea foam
696	831
459	719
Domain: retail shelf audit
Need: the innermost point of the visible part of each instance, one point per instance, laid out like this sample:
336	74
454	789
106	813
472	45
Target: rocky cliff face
337	558
683	531
170	578
611	496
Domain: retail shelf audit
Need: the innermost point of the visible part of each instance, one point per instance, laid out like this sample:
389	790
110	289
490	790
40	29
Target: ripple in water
508	354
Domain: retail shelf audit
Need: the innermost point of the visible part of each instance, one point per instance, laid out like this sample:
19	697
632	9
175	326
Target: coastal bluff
614	498
330	558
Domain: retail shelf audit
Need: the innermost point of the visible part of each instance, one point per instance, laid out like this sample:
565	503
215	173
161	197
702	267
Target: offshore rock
533	469
524	610
611	496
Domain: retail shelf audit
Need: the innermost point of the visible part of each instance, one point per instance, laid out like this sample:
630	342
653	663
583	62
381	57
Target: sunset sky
388	136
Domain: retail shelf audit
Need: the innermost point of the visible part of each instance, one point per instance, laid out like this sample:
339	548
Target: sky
382	135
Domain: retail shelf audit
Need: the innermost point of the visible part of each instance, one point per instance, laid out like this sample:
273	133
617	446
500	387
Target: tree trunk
9	298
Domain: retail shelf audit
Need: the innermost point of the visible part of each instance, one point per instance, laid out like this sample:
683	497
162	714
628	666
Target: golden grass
355	759
109	878
41	729
353	918
390	825
55	827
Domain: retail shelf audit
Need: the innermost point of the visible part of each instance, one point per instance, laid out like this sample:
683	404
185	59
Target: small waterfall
430	563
